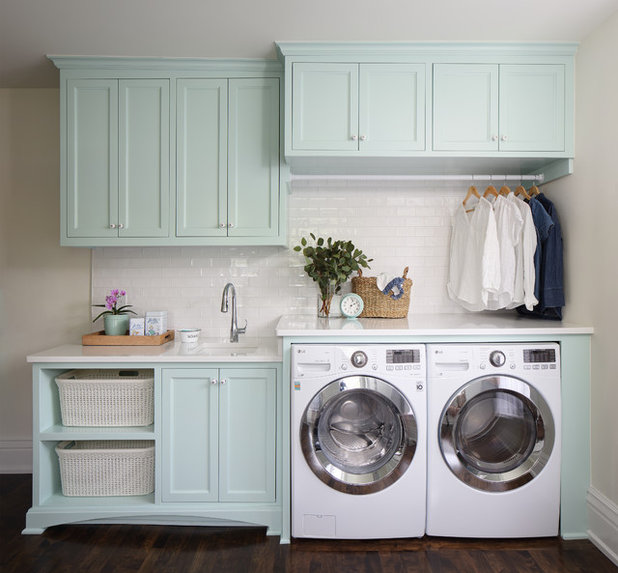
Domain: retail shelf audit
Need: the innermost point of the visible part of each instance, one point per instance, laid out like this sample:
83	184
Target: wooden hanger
534	190
491	190
521	190
504	190
472	192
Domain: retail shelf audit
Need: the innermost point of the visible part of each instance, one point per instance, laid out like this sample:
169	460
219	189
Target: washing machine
358	443
494	424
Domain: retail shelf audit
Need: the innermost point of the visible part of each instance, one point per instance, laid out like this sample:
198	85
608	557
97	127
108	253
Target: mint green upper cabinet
218	435
228	157
325	107
392	107
253	157
92	158
532	108
201	162
465	107
366	108
117	170
491	107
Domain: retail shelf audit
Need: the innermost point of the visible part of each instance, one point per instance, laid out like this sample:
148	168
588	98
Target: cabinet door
92	158
325	107
201	170
465	107
144	158
532	104
247	435
189	432
253	158
392	107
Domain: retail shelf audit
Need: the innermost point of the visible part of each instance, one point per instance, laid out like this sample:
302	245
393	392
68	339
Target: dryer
494	428
358	443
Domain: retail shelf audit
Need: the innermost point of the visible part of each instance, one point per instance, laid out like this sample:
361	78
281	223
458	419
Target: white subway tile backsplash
398	224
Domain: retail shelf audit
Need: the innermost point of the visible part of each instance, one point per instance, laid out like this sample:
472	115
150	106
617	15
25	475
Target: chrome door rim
358	483
530	467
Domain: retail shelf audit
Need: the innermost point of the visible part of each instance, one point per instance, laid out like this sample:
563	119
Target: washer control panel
387	360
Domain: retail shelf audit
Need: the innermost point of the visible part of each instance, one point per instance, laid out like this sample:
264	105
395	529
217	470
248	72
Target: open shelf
60	432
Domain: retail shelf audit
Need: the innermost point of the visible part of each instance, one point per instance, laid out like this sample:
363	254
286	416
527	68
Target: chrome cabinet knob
112	226
354	137
120	226
503	138
223	381
494	138
230	225
213	381
222	225
363	138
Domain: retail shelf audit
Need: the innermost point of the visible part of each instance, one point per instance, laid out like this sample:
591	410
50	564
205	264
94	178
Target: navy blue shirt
550	273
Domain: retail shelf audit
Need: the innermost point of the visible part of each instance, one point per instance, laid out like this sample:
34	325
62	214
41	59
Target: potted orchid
116	317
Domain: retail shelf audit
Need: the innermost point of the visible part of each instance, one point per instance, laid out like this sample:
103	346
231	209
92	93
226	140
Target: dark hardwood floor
163	549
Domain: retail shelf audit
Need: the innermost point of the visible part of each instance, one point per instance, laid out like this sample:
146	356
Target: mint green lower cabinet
218	435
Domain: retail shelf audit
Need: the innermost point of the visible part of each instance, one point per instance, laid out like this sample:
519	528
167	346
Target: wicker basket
106	397
106	468
378	305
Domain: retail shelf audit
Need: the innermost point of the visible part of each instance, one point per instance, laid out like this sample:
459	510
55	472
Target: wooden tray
101	339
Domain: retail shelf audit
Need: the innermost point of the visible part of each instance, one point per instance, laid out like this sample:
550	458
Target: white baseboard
603	517
16	456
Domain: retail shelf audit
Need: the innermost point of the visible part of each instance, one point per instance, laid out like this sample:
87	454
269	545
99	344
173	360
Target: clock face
351	305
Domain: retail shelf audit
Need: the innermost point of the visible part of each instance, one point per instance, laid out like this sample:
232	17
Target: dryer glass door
496	433
358	434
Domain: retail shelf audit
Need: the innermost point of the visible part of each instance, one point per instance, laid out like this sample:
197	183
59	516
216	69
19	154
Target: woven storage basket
105	468
106	397
378	305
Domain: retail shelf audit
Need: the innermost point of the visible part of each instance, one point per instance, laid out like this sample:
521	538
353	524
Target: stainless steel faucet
234	330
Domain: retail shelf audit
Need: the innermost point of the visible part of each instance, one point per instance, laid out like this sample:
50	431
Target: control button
390	367
527	367
552	366
419	386
483	366
344	366
359	359
407	367
536	367
497	358
375	367
416	367
512	366
543	366
398	367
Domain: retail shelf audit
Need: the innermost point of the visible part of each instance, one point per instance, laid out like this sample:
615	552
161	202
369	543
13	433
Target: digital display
404	356
540	355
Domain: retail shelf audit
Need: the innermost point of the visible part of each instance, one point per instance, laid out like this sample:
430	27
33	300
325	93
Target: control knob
359	359
497	358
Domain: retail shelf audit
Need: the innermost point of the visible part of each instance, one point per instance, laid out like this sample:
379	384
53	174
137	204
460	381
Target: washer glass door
496	433
358	434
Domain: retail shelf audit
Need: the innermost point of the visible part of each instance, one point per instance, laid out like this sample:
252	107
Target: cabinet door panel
144	158
189	433
92	158
247	435
325	107
201	158
392	107
253	166
532	101
465	107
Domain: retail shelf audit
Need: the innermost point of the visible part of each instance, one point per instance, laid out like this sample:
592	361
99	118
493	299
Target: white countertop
206	350
464	324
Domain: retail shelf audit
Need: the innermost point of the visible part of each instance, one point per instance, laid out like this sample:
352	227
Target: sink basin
222	348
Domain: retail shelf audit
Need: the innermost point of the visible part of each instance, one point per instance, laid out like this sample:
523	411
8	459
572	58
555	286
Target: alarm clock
351	305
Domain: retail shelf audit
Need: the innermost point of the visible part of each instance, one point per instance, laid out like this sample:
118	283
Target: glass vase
325	300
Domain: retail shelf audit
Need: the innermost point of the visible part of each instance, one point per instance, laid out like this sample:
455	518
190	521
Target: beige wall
44	289
588	206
